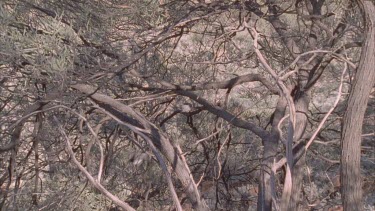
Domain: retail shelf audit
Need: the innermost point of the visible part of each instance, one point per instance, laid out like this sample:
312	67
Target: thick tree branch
232	119
159	139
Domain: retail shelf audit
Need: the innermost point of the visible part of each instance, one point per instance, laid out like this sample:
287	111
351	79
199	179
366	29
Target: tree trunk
302	105
270	144
265	190
352	122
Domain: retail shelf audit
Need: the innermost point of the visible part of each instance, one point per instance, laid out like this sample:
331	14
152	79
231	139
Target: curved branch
229	84
93	181
159	139
232	119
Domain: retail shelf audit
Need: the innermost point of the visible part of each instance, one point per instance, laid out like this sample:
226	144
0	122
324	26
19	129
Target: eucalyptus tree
162	104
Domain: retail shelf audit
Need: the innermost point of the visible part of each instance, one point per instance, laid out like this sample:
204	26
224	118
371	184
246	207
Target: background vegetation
177	104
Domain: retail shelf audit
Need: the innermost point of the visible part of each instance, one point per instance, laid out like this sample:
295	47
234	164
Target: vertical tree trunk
302	106
352	123
265	190
37	135
270	144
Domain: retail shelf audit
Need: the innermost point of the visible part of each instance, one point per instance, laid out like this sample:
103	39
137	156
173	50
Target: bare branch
92	180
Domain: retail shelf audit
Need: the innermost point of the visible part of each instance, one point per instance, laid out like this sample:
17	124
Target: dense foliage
156	105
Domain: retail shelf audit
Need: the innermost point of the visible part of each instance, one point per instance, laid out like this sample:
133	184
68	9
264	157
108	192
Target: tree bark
302	105
159	139
265	189
270	144
352	122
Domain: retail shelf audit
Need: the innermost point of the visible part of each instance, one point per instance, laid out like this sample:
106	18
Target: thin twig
92	180
159	157
218	154
330	110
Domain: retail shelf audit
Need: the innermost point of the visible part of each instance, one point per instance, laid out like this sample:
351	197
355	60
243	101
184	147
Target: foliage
152	58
